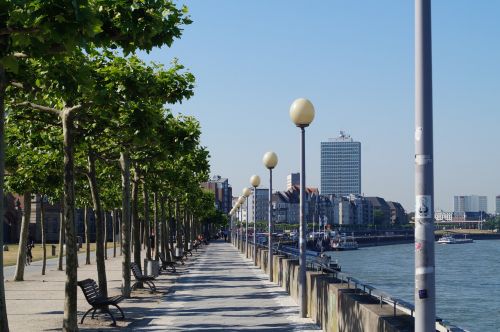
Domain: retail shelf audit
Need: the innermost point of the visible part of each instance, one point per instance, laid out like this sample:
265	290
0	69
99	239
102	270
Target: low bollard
53	247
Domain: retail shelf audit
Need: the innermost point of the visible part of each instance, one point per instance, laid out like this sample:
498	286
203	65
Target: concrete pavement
217	290
225	292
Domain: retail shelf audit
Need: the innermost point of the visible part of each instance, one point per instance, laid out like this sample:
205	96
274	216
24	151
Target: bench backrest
136	270
90	290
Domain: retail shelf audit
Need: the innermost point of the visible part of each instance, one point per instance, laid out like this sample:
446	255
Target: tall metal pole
425	293
246	233
239	227
270	230
254	228
303	228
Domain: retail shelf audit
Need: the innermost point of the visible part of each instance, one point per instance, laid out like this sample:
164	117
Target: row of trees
86	124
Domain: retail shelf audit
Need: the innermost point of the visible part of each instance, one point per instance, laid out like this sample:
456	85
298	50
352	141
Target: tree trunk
44	240
135	220
99	224
70	308
87	234
62	226
171	227
23	238
163	228
178	238
4	322
125	223
147	231
119	219
114	221
157	231
187	230
106	219
193	229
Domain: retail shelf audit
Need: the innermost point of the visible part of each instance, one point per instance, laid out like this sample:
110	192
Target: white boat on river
450	239
343	243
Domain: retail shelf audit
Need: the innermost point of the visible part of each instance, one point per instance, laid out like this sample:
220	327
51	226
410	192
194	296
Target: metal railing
408	308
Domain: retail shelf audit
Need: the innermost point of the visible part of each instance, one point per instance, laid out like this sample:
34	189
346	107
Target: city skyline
355	63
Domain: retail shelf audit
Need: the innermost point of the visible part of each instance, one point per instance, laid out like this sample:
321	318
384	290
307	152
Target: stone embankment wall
332	304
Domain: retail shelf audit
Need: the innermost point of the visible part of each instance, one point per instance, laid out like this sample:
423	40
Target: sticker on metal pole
423	206
422	294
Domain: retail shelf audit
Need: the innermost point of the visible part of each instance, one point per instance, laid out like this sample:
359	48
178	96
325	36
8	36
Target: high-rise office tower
292	179
341	166
470	203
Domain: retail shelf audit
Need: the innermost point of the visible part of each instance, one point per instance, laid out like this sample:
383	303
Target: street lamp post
302	114
425	292
241	200
270	160
235	223
246	192
231	225
255	182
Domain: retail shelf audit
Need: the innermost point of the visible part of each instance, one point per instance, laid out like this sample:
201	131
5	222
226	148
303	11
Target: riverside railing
314	261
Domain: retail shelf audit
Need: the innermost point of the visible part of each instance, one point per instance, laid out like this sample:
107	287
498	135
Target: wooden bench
97	300
141	278
179	258
186	252
196	245
167	265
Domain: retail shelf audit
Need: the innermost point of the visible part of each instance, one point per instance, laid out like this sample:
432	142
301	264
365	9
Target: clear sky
354	60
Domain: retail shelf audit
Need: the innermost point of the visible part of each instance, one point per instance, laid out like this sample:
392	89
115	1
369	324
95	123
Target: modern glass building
341	166
470	203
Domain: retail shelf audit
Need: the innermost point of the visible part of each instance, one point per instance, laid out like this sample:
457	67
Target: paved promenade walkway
225	292
218	289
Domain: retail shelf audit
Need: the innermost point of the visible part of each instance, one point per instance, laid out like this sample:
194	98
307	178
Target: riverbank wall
333	304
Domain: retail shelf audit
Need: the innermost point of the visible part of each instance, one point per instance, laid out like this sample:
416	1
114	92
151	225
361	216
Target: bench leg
85	315
111	315
151	285
120	309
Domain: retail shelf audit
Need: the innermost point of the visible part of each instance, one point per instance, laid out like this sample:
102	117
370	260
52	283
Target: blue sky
354	60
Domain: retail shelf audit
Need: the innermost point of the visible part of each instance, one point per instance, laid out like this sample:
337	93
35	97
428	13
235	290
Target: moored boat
344	243
450	239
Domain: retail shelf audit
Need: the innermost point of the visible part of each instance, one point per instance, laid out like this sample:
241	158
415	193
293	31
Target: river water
467	278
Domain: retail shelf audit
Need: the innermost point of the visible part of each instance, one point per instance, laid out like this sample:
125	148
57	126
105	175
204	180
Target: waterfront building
497	210
470	203
341	166
442	216
286	205
398	213
261	204
292	179
381	211
222	191
12	217
352	210
14	209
